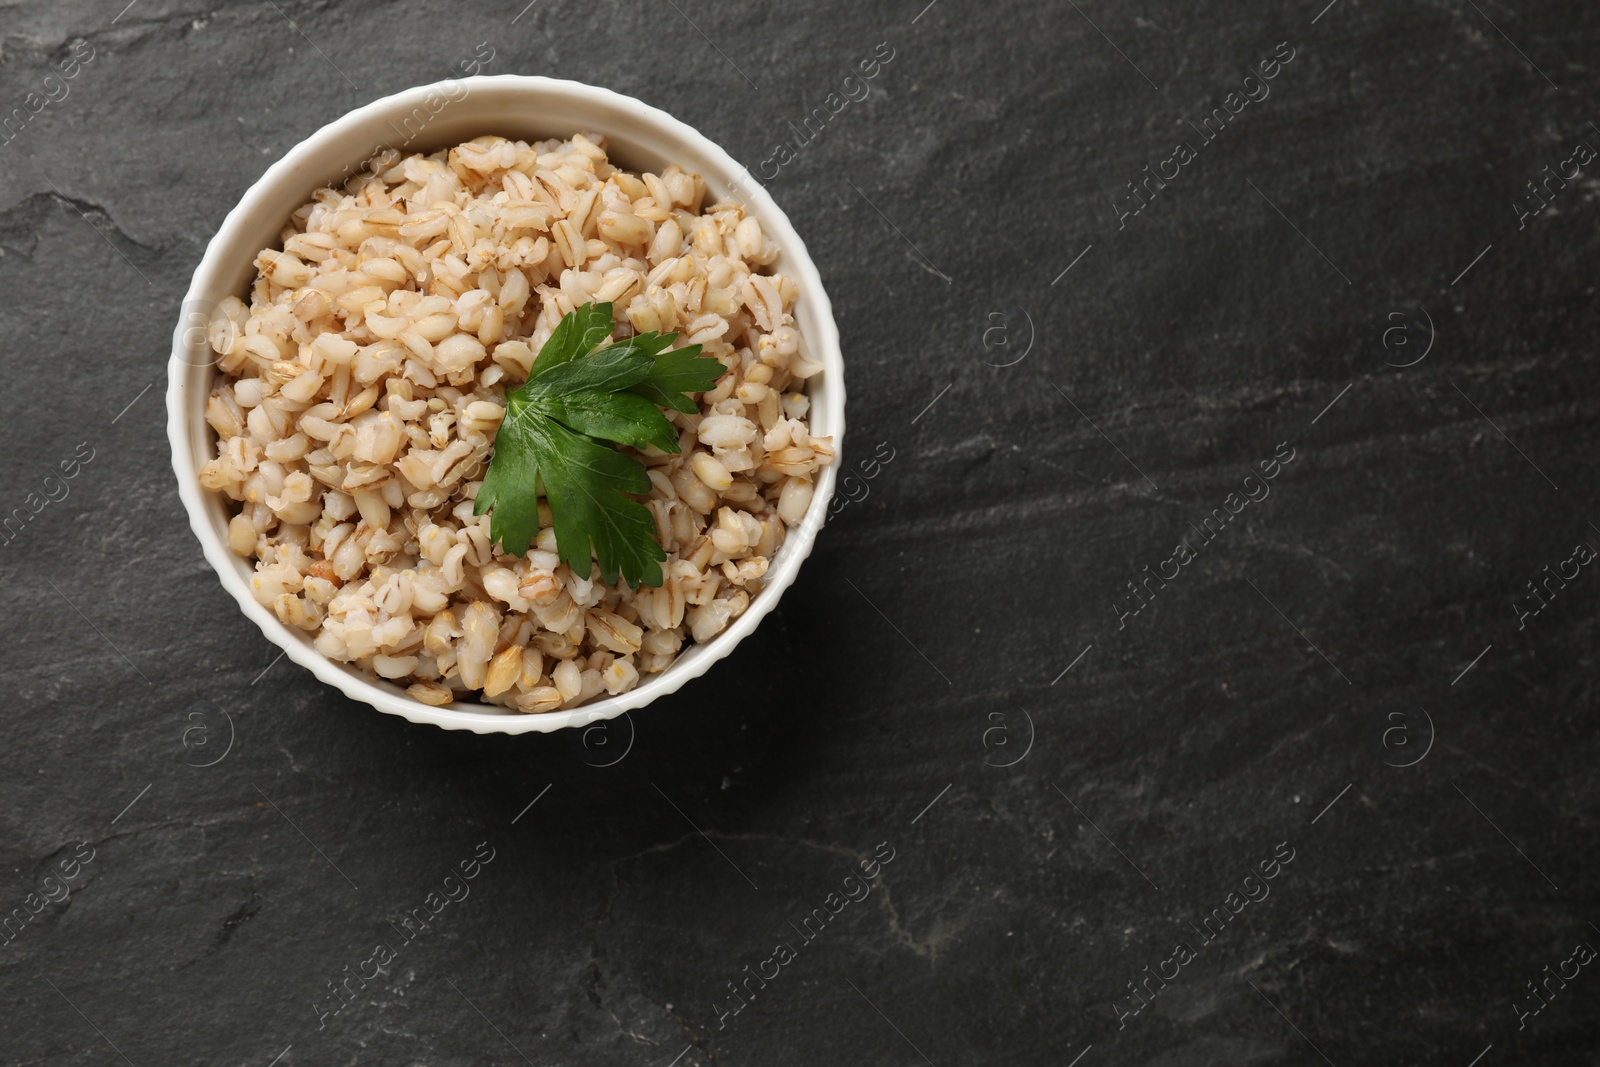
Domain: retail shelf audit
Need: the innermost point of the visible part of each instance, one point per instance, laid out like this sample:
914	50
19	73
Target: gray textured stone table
1082	747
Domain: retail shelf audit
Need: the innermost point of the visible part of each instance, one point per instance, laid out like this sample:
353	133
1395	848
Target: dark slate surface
1339	676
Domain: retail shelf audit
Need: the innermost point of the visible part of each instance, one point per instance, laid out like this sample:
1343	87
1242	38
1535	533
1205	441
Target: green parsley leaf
680	371
609	370
621	417
584	481
576	335
553	443
651	344
511	486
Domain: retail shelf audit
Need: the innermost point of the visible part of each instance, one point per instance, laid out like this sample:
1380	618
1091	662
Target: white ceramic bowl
639	138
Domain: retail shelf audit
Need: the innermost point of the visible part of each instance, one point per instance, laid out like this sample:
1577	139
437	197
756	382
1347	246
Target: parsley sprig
553	442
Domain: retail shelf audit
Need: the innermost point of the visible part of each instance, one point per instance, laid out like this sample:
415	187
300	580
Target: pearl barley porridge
362	385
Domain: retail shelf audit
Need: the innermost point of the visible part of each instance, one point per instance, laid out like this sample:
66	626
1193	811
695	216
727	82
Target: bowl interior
425	119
